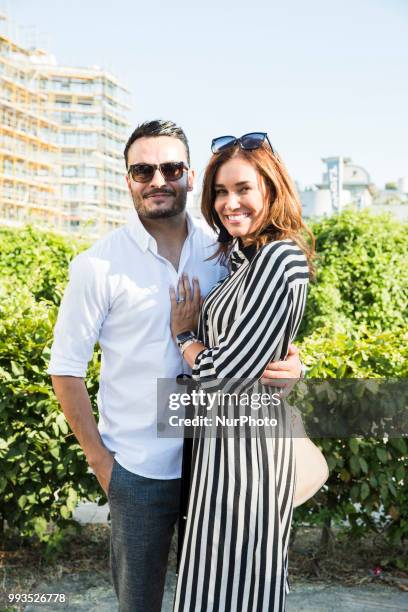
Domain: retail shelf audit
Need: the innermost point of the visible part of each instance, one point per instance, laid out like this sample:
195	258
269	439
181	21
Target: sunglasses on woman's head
170	171
247	142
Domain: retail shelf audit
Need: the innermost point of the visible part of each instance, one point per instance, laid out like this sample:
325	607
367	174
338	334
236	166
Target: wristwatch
185	339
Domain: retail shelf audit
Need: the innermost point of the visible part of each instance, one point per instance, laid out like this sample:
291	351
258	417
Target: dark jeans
143	514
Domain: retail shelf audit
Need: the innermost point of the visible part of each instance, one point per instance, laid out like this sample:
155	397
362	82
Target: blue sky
321	77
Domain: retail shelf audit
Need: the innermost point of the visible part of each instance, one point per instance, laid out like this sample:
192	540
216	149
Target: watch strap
184	337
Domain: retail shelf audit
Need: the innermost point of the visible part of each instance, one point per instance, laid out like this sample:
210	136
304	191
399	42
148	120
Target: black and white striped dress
234	554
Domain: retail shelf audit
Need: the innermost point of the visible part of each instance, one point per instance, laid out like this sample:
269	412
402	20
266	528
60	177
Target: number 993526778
37	598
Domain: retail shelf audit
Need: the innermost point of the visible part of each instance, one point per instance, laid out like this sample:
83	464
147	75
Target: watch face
184	336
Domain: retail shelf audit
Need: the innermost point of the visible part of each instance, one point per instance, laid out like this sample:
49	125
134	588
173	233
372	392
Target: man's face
158	198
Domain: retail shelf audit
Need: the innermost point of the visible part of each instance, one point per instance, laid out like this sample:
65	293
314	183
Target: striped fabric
234	554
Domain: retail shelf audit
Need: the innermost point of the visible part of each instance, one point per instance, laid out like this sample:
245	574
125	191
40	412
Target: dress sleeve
83	309
269	314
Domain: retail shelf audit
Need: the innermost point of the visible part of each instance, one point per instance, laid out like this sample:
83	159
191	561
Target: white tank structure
343	183
357	181
317	201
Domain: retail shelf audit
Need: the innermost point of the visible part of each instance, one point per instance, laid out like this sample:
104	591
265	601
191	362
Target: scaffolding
62	133
29	151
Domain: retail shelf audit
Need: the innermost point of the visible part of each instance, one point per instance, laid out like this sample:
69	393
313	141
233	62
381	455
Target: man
118	294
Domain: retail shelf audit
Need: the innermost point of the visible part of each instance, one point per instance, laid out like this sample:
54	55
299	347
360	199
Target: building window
70	171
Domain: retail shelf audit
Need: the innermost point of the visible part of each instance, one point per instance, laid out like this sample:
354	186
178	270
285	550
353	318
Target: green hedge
368	472
355	326
43	471
362	273
36	260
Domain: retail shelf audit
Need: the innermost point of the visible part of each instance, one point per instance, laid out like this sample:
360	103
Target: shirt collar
241	254
142	237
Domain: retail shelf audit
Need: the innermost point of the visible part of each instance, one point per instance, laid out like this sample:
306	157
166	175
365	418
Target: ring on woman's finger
181	300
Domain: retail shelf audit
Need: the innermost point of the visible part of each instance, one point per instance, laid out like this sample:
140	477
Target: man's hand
277	372
73	396
103	470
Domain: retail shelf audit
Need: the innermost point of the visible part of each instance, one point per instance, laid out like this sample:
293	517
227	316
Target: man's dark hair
158	127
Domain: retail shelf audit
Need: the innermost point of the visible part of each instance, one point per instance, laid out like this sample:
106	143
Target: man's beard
152	212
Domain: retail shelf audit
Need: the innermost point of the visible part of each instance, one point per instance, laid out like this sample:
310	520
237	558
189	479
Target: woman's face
239	196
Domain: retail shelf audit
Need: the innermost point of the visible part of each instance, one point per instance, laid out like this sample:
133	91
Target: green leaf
65	513
354	446
363	464
372	386
400	444
55	452
5	375
22	501
72	499
392	488
40	526
62	424
355	465
365	491
331	462
382	455
373	481
16	368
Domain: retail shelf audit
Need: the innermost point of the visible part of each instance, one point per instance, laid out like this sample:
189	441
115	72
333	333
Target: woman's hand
185	307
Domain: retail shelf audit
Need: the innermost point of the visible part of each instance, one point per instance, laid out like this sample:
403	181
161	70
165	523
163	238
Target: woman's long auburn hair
283	214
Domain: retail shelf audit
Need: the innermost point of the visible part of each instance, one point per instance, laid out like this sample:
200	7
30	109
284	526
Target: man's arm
73	396
284	374
82	311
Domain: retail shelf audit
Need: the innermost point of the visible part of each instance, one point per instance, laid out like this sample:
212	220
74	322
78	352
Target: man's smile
158	195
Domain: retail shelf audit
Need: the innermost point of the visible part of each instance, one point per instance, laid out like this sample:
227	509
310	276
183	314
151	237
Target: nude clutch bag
312	470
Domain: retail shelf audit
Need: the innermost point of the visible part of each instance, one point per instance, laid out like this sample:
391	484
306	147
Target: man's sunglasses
170	171
247	142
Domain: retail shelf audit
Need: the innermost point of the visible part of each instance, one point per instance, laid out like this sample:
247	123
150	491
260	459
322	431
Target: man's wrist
98	457
184	339
184	330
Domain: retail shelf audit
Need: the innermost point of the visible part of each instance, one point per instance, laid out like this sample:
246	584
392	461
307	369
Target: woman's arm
273	304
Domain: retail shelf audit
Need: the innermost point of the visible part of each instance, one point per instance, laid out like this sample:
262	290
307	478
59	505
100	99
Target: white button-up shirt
118	294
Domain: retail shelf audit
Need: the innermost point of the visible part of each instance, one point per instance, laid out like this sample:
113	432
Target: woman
234	555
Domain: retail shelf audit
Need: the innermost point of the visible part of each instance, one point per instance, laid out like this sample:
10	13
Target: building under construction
62	134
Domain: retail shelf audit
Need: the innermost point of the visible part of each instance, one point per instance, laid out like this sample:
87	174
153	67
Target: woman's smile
239	197
236	218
